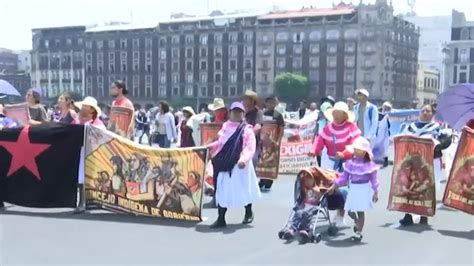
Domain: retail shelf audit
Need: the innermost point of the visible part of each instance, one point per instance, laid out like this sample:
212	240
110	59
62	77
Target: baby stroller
324	180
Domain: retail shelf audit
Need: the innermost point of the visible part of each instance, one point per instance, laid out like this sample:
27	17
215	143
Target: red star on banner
24	153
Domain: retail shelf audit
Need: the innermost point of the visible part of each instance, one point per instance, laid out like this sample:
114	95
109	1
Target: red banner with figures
413	186
18	112
459	193
208	135
121	121
269	151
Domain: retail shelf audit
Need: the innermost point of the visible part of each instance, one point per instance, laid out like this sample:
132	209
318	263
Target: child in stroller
311	200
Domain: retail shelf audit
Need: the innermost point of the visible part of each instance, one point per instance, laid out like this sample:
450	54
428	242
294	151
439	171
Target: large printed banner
18	112
208	135
413	187
297	142
121	121
126	177
459	193
269	151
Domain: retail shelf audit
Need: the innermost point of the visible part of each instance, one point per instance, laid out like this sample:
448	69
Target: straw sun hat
340	106
89	101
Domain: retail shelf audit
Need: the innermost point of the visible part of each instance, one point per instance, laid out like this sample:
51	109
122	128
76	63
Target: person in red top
118	91
336	136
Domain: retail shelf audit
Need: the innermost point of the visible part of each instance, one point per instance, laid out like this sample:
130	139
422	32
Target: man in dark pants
271	114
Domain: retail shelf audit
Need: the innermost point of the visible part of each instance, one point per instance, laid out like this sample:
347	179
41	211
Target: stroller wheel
332	231
281	234
317	239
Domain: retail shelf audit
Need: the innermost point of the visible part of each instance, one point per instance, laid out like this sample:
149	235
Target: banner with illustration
459	193
412	188
121	121
296	143
125	177
208	135
269	151
18	112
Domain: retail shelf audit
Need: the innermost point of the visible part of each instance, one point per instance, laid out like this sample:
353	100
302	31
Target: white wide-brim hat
189	109
362	144
217	104
339	106
89	101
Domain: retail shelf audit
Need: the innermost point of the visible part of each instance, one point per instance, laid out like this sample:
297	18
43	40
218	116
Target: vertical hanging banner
297	142
412	188
130	178
121	121
208	135
459	193
18	112
269	151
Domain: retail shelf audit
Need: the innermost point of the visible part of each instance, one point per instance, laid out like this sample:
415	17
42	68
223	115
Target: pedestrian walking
165	128
366	115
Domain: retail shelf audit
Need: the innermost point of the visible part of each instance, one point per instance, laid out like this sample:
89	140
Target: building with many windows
14	68
195	59
428	85
460	51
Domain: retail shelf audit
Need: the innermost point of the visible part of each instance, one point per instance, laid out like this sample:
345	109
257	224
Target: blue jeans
162	141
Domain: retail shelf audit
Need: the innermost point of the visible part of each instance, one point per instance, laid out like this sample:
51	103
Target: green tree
291	87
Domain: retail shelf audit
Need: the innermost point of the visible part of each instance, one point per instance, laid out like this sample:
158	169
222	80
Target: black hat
271	97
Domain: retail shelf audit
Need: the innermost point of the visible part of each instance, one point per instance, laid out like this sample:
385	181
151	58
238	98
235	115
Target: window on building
282	36
203	39
203	77
248	50
314	62
331	76
298	37
297	49
175	53
135	66
232	91
124	67
217	77
248	77
281	49
248	36
123	43
136	43
233	64
162	67
314	75
265	64
218	38
333	34
332	48
162	41
111	68
217	91
332	61
162	79
148	43
88	45
349	76
189	66
349	61
315	36
462	77
175	91
233	77
281	63
265	51
203	65
297	63
217	65
162	54
162	91
175	78
265	38
148	67
218	51
175	66
189	39
189	78
350	34
203	52
189	91
314	48
189	53
175	40
248	64
463	56
232	51
232	38
349	47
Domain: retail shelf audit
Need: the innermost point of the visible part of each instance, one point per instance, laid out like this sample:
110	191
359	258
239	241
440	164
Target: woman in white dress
237	184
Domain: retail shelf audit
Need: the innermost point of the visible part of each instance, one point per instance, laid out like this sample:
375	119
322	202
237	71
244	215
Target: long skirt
239	189
359	198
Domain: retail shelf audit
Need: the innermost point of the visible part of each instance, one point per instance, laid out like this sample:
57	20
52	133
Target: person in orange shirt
118	91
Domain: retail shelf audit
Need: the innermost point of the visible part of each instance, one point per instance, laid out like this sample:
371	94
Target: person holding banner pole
232	153
89	115
427	127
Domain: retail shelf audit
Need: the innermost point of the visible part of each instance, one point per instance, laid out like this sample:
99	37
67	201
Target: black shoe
80	210
219	223
357	237
2	205
248	219
407	220
424	220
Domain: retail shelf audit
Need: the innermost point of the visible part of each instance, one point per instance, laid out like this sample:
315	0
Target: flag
39	165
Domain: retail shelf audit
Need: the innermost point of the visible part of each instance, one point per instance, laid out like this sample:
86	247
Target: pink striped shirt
344	134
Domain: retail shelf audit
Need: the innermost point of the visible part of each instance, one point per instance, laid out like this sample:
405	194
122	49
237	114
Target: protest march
86	159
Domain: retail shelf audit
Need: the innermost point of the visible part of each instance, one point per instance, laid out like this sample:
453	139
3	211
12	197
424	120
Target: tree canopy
291	87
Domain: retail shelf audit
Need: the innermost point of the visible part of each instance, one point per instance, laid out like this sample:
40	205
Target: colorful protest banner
208	135
400	118
18	112
121	121
125	177
412	188
459	193
269	151
296	144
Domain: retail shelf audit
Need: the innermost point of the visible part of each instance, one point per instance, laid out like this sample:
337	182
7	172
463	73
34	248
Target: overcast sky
18	17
